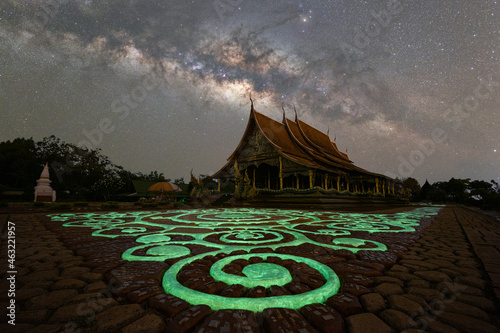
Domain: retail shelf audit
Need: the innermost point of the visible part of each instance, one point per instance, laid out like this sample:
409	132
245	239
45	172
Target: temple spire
294	109
251	101
283	108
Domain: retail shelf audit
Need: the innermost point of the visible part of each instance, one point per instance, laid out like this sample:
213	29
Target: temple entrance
264	177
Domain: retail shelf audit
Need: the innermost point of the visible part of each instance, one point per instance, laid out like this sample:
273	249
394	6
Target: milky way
409	88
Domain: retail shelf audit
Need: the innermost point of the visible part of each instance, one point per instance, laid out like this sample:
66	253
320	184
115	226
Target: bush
149	205
63	206
81	204
110	205
178	204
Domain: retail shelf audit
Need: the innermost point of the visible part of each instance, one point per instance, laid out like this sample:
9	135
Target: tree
108	185
479	190
20	167
413	187
179	181
457	189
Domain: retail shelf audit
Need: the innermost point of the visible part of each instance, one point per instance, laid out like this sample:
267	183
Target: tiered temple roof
298	142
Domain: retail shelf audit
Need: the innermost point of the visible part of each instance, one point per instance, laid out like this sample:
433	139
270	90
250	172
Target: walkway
445	281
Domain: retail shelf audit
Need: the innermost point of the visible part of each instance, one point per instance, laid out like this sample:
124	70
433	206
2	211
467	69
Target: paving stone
373	302
230	321
45	284
367	322
46	328
50	300
473	282
471	263
150	323
418	284
418	264
432	276
397	319
51	274
90	277
345	304
478	301
452	273
466	309
419	300
117	317
387	289
466	323
441	263
457	288
428	294
32	317
78	312
74	271
401	303
188	319
388	279
28	292
323	318
403	276
167	304
399	268
355	289
96	286
68	284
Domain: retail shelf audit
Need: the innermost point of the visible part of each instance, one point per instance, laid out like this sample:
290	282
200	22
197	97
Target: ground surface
444	277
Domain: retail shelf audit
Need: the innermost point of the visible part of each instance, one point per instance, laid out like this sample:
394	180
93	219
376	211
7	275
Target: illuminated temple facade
293	155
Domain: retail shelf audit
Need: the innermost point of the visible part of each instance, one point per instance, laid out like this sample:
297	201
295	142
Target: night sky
409	88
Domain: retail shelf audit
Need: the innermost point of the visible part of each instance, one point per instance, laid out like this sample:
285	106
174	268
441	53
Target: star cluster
410	88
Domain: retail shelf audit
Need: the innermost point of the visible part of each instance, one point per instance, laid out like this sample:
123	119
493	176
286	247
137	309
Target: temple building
293	155
43	191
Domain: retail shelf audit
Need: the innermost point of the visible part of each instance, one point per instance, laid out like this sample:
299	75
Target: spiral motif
255	275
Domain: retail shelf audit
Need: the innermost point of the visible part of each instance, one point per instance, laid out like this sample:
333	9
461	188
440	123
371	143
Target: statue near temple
43	190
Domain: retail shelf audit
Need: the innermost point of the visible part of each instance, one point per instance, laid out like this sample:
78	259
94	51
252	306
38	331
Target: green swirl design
172	234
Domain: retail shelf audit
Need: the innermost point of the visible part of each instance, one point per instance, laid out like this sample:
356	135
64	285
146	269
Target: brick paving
445	281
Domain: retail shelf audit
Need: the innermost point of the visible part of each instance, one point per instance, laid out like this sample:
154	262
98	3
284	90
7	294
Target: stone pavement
445	281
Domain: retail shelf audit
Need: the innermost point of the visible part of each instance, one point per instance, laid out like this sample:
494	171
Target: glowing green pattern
216	302
165	235
263	274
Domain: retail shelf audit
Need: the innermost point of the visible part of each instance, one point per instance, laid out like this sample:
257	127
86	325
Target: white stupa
43	191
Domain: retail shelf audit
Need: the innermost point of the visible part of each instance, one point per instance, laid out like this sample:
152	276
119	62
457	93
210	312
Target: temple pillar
281	173
218	185
347	182
253	177
326	181
311	174
362	187
269	179
383	187
393	192
298	182
338	183
376	185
